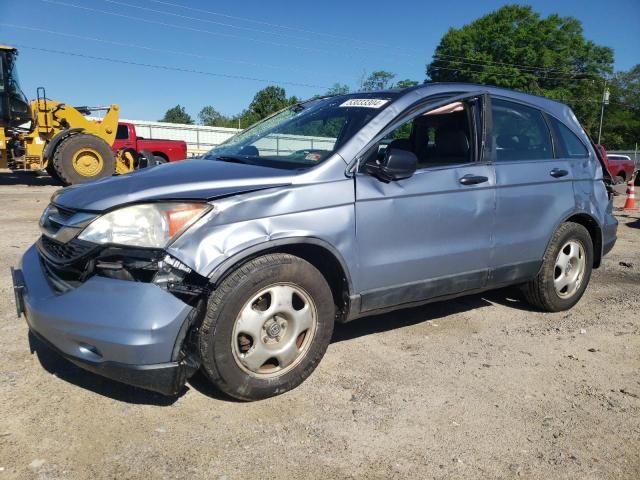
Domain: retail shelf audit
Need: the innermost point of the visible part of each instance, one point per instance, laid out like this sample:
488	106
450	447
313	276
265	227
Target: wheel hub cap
87	162
274	330
569	269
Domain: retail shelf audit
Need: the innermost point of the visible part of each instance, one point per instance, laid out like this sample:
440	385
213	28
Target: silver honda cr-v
239	263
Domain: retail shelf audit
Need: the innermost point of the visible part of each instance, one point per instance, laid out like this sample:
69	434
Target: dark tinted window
570	144
519	132
122	133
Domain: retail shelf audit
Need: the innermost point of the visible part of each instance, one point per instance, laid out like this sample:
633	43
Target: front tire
566	270
267	327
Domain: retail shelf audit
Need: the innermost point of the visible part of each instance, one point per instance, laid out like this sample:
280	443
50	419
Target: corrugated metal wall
198	137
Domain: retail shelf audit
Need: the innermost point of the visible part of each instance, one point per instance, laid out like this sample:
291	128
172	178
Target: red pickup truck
162	150
620	167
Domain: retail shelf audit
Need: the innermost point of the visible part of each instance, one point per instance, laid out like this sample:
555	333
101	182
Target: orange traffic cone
630	203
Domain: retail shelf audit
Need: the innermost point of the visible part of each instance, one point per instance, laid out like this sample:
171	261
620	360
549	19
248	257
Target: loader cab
14	106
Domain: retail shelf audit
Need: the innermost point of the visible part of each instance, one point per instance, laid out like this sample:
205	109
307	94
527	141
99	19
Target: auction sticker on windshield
365	102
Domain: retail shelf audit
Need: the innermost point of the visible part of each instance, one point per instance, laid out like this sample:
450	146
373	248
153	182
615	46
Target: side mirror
396	165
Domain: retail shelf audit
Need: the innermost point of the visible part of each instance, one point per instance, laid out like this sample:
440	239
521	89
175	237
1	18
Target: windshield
14	106
303	135
12	81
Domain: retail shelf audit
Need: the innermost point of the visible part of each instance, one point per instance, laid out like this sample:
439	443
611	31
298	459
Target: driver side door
429	235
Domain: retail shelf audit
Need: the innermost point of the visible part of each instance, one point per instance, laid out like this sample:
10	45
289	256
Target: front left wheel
267	327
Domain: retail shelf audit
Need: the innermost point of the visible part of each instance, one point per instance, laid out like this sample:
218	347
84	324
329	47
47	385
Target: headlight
145	225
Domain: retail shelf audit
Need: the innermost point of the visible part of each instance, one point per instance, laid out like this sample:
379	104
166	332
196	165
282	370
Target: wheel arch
595	232
319	253
161	154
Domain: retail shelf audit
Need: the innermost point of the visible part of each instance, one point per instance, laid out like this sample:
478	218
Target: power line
544	77
229	25
440	55
154	49
184	27
521	66
274	25
168	67
56	2
570	74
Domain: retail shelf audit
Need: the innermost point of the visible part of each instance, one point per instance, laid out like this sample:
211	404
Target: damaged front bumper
125	330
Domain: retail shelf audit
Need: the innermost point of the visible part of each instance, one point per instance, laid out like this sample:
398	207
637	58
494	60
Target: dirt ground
479	387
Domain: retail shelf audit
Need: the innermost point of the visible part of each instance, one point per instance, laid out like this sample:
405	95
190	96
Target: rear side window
122	133
519	132
570	144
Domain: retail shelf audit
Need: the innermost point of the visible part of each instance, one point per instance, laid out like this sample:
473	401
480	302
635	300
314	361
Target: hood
184	180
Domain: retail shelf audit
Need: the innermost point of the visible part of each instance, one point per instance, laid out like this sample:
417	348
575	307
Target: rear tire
52	172
83	158
267	327
566	270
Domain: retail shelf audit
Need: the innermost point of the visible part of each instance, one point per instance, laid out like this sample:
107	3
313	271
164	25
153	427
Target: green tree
177	114
338	89
406	83
515	47
378	80
621	125
210	117
270	100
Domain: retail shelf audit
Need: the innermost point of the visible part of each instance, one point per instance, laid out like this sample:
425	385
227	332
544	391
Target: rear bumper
123	330
609	233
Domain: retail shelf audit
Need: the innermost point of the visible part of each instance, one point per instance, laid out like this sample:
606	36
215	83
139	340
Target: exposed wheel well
321	258
161	154
594	232
622	174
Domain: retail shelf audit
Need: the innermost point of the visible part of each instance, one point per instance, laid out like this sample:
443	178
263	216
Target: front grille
64	253
61	280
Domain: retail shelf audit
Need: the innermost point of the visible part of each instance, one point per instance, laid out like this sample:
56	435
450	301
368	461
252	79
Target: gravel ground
476	387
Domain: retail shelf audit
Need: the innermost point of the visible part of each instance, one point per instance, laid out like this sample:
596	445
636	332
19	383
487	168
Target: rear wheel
83	158
267	327
566	270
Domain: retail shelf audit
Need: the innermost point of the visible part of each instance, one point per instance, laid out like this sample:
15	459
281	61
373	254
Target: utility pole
605	101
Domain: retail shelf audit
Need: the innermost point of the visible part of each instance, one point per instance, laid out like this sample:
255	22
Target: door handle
558	172
470	179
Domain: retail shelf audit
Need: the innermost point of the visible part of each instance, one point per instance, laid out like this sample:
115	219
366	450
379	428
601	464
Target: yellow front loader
45	134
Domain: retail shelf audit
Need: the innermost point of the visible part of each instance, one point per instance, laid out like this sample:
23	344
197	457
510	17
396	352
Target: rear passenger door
533	189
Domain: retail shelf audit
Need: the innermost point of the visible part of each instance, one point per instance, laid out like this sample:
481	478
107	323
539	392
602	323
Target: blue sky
356	37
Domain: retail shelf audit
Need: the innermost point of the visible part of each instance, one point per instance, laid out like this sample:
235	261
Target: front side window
438	137
303	135
519	132
570	144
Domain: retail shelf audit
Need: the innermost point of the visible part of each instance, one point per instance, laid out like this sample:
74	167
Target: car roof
408	96
553	107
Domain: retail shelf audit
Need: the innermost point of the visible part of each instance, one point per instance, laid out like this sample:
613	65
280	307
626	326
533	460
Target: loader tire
83	158
52	172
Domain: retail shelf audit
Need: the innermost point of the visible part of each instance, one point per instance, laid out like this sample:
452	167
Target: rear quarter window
570	145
